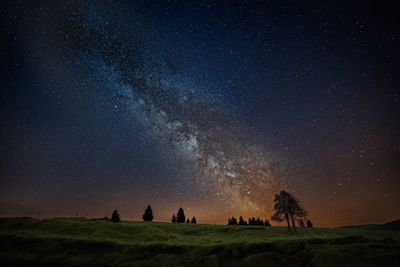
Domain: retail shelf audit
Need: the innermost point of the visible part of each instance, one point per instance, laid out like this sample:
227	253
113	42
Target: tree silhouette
232	221
115	216
309	224
193	220
296	211
287	208
255	221
300	222
173	219
251	221
148	214
187	220
280	206
180	216
242	221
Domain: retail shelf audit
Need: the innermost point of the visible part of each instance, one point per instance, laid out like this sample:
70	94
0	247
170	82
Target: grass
85	242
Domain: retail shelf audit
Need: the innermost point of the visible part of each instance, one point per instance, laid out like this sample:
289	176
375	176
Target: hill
394	225
390	226
88	242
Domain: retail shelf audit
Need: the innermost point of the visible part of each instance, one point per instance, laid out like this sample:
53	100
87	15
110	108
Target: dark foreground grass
83	242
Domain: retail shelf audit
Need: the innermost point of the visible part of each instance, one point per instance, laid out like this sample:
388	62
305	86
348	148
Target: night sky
214	107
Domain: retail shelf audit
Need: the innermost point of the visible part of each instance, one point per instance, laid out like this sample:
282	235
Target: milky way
139	78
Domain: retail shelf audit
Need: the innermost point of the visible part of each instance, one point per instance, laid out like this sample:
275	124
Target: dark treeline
180	217
286	206
148	216
250	221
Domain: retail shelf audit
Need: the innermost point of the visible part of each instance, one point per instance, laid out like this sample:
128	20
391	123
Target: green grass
84	242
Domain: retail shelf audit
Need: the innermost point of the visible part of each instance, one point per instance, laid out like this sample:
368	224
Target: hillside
393	225
85	242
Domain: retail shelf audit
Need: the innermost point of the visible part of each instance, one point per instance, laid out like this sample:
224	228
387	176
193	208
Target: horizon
127	216
155	220
213	107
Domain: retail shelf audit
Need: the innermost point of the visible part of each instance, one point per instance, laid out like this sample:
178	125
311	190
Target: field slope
85	242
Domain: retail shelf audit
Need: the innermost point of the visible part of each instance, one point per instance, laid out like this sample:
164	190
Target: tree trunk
294	225
288	223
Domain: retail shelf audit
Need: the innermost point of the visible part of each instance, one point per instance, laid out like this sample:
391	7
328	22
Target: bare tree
296	211
281	208
287	208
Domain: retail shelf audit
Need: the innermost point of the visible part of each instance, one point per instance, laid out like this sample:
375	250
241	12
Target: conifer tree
148	214
115	217
180	216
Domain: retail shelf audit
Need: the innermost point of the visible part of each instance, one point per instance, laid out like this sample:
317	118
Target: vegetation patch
84	242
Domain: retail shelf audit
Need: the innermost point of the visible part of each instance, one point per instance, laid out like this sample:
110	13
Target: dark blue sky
117	105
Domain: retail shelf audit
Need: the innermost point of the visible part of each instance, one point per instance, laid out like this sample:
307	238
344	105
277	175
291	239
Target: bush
148	214
115	216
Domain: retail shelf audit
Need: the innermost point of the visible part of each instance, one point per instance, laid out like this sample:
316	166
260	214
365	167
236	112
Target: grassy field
85	242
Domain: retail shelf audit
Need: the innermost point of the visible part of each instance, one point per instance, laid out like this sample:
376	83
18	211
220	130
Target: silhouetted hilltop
393	225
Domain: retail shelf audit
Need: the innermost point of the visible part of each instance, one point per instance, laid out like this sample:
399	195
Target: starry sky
212	106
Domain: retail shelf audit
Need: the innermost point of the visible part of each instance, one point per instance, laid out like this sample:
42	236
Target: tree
148	214
234	221
242	221
115	216
173	219
229	221
280	206
287	207
180	216
309	224
300	222
267	223
187	220
193	220
296	211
